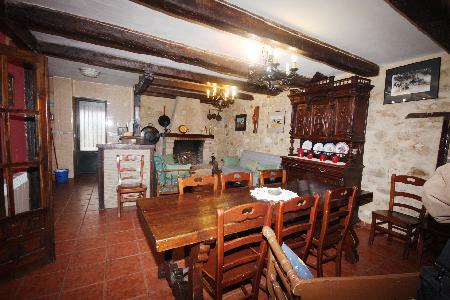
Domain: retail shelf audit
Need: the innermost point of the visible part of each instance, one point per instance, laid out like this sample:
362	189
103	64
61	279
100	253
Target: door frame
76	127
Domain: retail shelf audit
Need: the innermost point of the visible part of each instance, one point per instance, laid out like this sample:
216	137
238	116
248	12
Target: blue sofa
168	172
251	161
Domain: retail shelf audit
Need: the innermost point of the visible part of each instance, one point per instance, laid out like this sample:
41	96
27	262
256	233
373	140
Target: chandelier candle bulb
294	61
287	69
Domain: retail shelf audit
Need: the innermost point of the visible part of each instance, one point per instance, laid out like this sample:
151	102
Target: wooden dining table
189	220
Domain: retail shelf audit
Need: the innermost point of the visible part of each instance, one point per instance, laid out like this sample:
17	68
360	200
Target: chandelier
271	78
220	97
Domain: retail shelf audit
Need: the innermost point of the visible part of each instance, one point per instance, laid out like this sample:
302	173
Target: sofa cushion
168	158
261	157
252	165
231	161
267	167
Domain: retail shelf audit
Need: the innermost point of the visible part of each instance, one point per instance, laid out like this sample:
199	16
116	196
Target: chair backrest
272	175
337	217
279	267
249	218
236	177
407	180
130	168
197	180
167	181
296	218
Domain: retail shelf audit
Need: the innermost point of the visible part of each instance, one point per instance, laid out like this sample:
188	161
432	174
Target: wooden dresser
329	111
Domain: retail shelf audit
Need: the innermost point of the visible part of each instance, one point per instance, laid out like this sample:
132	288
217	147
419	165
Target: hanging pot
150	134
209	115
164	120
218	117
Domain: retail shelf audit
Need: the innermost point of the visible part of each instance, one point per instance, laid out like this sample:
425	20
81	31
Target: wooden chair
336	223
296	221
198	180
131	185
400	225
284	283
167	181
236	177
272	175
236	258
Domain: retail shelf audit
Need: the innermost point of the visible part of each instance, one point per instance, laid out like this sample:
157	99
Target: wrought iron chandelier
271	78
220	97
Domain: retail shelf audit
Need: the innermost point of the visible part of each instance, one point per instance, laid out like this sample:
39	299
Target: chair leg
338	262
372	230
389	232
407	244
319	264
420	246
119	204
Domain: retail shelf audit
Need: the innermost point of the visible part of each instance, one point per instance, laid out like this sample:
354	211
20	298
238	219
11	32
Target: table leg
350	244
198	256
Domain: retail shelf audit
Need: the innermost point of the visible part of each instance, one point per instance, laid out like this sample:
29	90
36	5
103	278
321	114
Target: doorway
90	122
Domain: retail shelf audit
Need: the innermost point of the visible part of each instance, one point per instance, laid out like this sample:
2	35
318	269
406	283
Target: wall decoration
240	123
10	89
276	122
255	119
413	82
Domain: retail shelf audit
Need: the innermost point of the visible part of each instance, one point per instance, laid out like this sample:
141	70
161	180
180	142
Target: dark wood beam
190	87
431	17
175	92
135	66
161	95
228	17
21	36
144	82
100	33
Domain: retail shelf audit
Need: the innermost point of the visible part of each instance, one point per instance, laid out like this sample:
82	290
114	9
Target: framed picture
10	89
413	82
276	122
240	123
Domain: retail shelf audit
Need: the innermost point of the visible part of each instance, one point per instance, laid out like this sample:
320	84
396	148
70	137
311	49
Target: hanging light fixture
271	78
220	97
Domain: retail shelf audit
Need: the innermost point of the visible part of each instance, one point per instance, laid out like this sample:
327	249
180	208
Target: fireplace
188	151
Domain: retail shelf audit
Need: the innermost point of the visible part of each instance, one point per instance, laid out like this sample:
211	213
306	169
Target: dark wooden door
320	119
343	122
90	131
26	217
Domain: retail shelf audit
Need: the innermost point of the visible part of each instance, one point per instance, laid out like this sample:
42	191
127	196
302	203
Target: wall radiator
21	193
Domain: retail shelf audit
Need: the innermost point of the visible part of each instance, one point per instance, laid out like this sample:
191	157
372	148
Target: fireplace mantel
189	136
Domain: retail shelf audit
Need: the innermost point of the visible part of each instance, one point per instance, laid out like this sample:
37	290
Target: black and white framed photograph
240	123
413	82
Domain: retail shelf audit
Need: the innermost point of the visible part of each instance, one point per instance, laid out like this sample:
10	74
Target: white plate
307	145
342	148
329	148
318	147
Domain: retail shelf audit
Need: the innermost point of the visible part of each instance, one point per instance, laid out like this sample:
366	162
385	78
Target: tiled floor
99	256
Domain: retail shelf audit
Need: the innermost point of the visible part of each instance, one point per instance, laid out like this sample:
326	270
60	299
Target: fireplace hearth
188	151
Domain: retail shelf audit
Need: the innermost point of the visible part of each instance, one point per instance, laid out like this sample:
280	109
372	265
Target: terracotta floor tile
65	235
121	250
148	261
120	237
140	235
143	246
65	247
90	292
9	289
153	282
83	275
90	243
60	264
120	226
40	285
92	231
126	287
123	266
87	257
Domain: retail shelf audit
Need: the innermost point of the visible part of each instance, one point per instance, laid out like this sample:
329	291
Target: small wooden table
175	221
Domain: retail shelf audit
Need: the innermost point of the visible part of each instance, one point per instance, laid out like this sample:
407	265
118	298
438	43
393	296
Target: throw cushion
231	161
299	266
159	163
173	167
267	167
252	165
168	158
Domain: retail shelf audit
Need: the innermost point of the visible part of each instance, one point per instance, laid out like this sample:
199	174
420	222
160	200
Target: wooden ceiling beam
135	66
228	17
175	92
161	95
431	17
190	87
100	33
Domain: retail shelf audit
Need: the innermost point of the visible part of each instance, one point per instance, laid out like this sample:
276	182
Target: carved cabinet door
320	119
302	124
343	121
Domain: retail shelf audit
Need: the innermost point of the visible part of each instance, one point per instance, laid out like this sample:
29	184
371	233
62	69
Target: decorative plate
329	148
318	147
342	148
183	128
307	145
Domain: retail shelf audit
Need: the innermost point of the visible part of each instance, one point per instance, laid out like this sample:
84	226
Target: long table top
173	221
